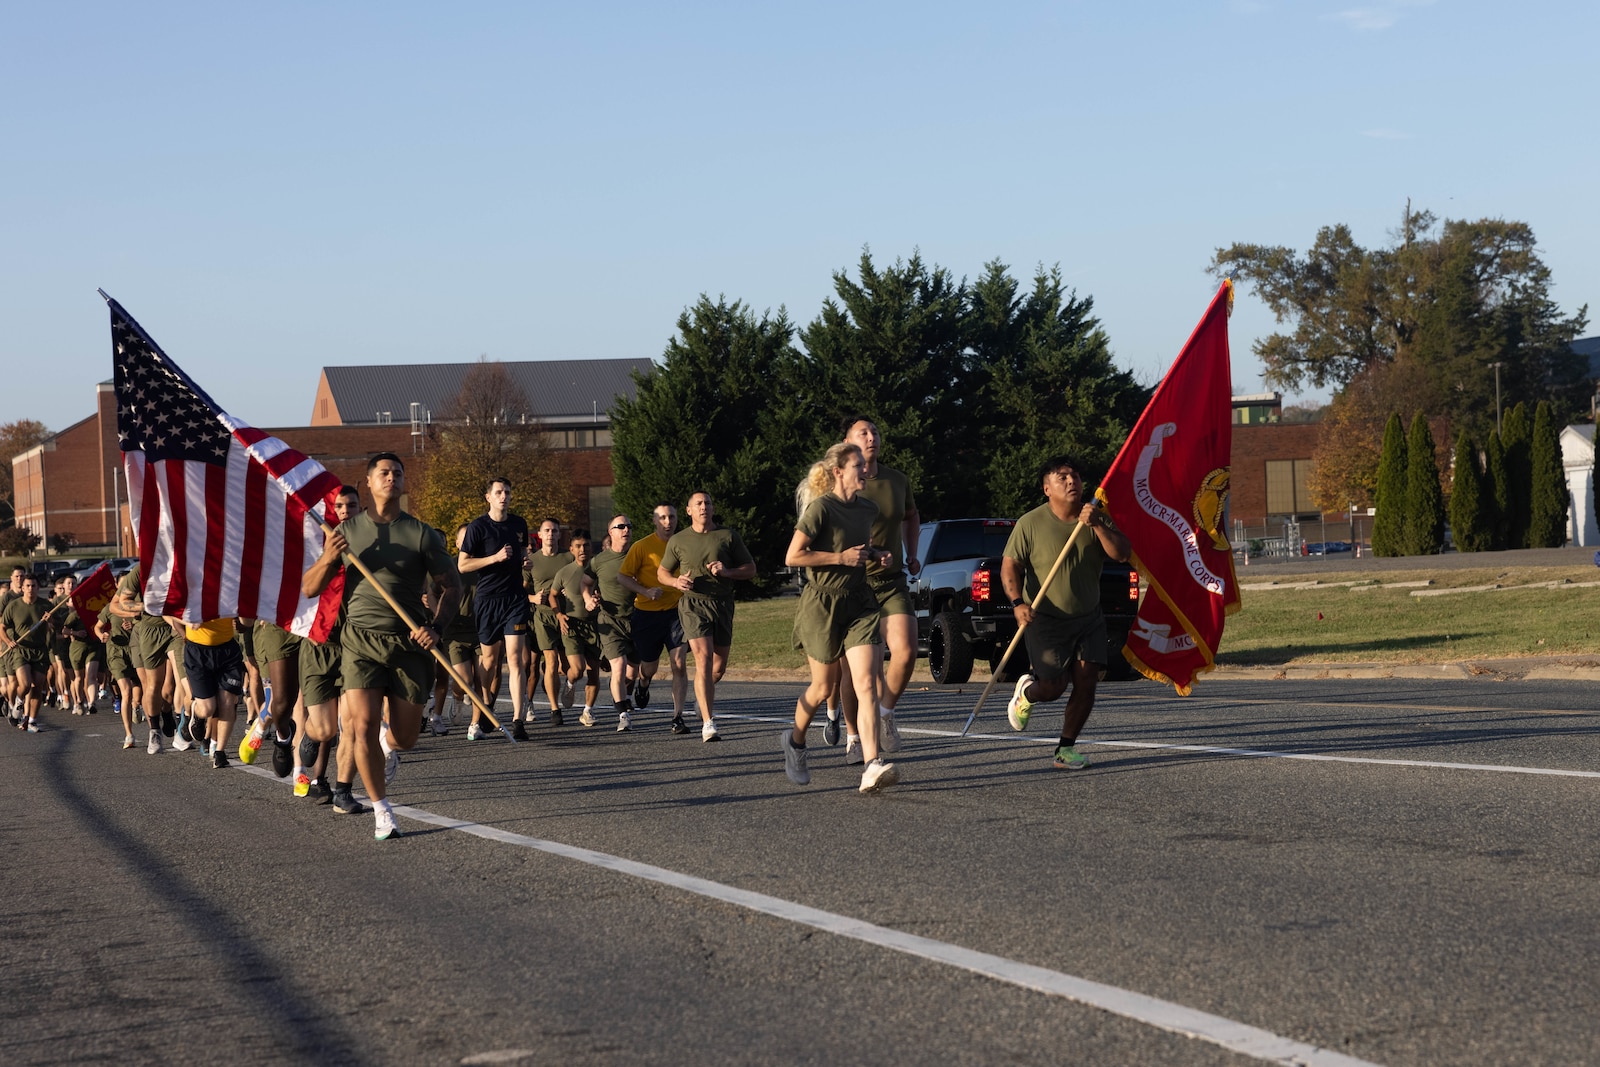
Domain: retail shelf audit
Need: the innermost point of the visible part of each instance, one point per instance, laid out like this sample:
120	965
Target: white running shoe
391	767
852	750
708	731
384	827
877	775
888	732
587	718
154	748
475	733
624	722
794	759
566	692
127	741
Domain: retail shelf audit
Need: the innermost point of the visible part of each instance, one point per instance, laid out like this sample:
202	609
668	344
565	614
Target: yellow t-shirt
644	557
215	632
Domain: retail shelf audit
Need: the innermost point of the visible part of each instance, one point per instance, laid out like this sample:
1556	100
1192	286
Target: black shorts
211	668
500	617
654	631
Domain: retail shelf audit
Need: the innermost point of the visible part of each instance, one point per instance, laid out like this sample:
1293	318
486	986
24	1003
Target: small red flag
92	594
1167	491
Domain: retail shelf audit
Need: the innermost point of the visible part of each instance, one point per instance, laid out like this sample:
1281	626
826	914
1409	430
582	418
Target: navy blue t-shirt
484	538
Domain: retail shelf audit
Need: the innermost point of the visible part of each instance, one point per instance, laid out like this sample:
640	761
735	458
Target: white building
1577	460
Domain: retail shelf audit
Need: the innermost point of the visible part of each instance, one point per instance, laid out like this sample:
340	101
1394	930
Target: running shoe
391	765
678	725
116	704
91	709
519	731
587	718
169	723
183	742
282	756
438	726
852	751
877	775
888	732
138	714
624	722
556	718
831	728
345	803
475	733
566	693
384	828
33	726
308	752
1017	711
641	693
250	747
127	741
708	731
302	784
154	747
794	759
1070	759
324	791
219	759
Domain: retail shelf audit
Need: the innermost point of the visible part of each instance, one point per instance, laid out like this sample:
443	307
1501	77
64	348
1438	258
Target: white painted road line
1162	1014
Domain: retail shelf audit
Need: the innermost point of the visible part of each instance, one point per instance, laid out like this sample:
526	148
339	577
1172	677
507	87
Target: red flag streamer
92	594
1168	491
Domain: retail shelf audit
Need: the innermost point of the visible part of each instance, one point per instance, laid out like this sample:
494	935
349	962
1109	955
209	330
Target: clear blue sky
271	188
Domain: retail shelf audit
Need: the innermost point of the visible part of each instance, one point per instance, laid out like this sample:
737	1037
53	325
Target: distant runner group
562	607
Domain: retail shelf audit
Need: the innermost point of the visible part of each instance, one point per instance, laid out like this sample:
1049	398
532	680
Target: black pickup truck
962	611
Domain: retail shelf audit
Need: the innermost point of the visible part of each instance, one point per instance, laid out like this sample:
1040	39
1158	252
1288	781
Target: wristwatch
1018	602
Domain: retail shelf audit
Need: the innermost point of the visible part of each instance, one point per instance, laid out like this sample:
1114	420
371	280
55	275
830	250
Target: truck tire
949	649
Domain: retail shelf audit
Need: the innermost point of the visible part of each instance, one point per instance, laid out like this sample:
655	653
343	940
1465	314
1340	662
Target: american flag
228	518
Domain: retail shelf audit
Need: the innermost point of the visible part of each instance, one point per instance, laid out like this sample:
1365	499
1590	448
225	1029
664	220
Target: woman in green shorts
838	614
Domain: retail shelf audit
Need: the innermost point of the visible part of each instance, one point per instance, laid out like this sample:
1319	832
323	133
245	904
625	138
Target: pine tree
1390	520
1497	495
1547	509
1516	436
1594	473
1468	516
1423	530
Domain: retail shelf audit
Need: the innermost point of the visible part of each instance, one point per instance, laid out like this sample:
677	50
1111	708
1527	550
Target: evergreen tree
1594	473
1497	495
1547	510
710	418
1423	531
1389	524
1468	515
1516	438
1050	384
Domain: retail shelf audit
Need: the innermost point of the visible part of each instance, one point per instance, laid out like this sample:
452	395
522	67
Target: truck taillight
1133	586
980	585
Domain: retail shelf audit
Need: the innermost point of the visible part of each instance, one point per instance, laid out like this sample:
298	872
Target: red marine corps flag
228	518
1168	491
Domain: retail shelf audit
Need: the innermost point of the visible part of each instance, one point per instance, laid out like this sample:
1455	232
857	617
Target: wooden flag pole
1038	599
411	625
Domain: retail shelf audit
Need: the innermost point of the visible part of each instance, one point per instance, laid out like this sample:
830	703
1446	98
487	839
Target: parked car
961	608
50	570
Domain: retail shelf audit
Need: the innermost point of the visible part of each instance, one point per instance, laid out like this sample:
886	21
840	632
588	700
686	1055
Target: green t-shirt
569	583
540	574
463	628
21	616
834	526
116	626
606	565
1036	541
690	553
401	555
891	491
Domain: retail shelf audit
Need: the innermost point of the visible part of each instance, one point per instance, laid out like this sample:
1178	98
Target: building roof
558	390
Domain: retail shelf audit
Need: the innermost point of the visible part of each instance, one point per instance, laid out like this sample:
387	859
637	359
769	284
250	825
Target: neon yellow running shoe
302	784
251	745
1070	759
1018	710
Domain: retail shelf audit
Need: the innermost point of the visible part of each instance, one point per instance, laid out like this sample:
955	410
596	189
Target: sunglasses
623	526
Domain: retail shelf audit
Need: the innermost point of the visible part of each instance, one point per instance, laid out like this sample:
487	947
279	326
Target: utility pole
1497	367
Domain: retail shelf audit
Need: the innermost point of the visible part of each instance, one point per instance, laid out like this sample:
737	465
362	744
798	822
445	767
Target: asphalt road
1398	898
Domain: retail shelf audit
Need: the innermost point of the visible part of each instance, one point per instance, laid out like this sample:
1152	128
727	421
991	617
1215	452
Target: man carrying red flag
1066	634
1168	491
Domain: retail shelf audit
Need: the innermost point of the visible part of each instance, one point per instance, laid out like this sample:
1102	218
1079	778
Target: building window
1287	489
600	510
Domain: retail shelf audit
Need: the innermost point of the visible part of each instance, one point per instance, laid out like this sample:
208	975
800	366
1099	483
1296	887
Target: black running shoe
830	729
556	719
282	757
308	752
519	731
219	759
641	693
345	803
322	792
679	726
169	723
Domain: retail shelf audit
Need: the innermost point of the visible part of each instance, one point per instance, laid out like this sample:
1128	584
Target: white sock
383	739
382	805
885	711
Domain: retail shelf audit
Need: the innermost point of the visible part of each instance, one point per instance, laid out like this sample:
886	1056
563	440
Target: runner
280	651
703	562
837	619
616	608
577	604
317	719
539	577
495	546
213	665
8	659
461	649
382	658
30	645
1066	637
116	632
254	690
83	658
654	625
151	638
897	529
